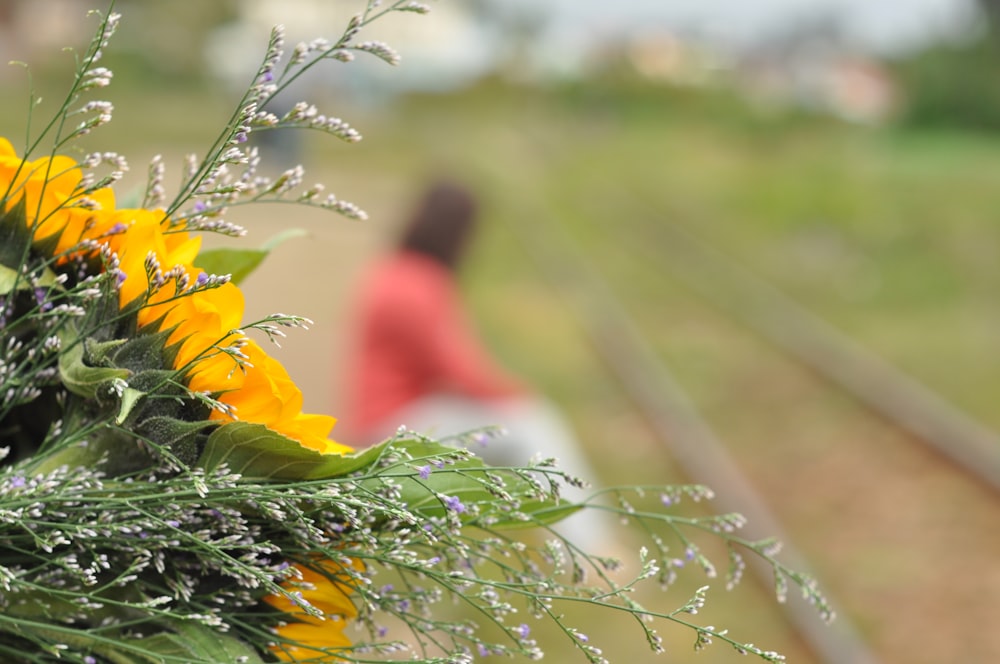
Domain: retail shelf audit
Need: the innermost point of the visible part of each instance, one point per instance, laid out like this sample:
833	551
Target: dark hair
441	223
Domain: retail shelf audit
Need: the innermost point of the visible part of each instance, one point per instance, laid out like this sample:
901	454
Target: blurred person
416	361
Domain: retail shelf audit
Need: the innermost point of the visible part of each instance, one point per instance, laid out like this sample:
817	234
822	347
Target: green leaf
467	480
193	642
9	277
257	452
240	263
185	642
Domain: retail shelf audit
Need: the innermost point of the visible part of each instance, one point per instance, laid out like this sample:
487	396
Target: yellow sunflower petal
6	149
311	641
142	234
312	430
330	593
330	597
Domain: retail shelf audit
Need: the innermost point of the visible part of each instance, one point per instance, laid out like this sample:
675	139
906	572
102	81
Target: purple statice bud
120	278
522	631
201	280
200	206
666	500
425	472
17	481
40	297
240	137
483	650
454	504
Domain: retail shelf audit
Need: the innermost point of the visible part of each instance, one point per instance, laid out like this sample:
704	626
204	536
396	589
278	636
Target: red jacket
413	339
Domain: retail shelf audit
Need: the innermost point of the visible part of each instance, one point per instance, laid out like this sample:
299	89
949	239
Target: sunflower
200	321
160	285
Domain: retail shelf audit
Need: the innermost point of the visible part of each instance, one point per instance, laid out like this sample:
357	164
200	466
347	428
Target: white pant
531	426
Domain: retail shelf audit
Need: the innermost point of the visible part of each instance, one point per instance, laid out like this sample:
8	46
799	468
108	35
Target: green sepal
47	245
15	236
240	263
15	246
130	397
142	351
168	430
87	364
99	353
157	381
79	377
168	352
180	437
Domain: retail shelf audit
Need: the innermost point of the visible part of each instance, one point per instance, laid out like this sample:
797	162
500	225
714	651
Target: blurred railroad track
886	390
970	448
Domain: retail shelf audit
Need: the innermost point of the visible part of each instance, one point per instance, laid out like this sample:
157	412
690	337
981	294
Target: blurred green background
862	185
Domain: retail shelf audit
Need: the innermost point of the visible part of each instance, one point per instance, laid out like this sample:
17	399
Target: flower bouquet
163	498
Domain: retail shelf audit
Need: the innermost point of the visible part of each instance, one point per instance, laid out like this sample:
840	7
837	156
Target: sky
882	25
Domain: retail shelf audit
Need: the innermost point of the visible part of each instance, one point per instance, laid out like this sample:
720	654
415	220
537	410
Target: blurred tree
518	28
991	12
956	85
